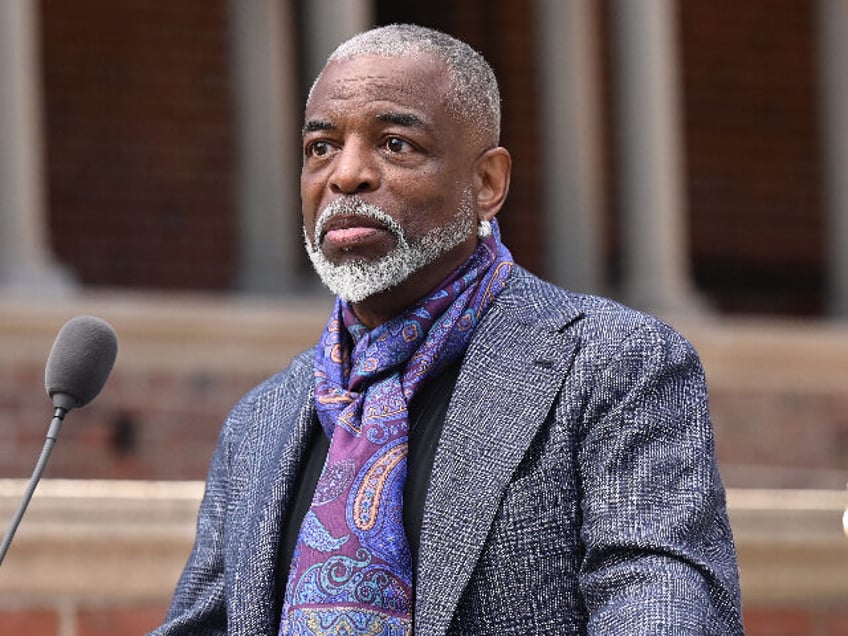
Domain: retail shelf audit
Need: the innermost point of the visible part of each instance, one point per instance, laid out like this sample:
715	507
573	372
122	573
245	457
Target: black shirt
426	418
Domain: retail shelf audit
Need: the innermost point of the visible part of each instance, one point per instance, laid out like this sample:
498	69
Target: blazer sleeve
199	604
659	554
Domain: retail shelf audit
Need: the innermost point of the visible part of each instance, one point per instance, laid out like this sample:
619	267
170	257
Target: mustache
355	207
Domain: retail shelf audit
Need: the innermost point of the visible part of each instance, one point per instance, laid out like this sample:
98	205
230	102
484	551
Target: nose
354	170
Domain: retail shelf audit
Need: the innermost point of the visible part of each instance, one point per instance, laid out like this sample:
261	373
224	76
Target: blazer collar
511	375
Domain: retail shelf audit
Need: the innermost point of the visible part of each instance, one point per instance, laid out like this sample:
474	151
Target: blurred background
687	157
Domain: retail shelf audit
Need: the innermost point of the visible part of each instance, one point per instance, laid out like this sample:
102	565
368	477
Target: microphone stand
52	434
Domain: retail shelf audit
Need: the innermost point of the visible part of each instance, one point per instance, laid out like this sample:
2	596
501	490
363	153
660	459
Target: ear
491	181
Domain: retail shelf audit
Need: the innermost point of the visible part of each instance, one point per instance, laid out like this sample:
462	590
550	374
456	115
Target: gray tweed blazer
574	490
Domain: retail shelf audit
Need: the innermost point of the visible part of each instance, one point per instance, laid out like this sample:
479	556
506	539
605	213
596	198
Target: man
468	449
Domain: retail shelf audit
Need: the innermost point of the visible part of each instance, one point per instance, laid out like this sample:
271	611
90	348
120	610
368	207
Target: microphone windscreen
81	359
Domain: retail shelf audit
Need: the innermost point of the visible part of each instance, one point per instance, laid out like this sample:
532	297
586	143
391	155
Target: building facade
684	156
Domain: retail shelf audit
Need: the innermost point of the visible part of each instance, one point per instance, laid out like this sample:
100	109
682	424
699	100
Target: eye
397	145
318	148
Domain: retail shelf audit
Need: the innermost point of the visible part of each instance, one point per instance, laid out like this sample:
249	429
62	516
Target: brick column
26	262
656	271
572	193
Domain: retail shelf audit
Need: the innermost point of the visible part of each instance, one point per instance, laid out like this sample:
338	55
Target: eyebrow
402	119
316	125
407	120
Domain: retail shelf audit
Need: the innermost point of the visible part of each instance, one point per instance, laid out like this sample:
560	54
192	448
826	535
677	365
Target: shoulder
282	392
296	374
591	321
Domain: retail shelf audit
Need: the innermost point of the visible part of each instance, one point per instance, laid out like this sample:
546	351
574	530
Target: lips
348	231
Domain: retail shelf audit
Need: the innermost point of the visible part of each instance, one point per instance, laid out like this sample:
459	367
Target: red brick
118	620
139	126
752	153
837	622
779	621
32	622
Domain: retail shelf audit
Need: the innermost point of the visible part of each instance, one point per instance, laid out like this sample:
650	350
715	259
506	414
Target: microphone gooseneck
78	366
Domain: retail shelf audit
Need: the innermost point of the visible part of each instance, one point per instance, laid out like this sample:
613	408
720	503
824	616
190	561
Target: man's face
386	180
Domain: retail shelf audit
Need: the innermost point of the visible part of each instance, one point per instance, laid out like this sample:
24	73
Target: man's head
400	164
471	94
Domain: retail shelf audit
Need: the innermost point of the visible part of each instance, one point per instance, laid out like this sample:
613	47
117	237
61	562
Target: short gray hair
473	96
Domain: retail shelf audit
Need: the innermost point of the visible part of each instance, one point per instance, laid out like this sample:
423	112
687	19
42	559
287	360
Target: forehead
416	83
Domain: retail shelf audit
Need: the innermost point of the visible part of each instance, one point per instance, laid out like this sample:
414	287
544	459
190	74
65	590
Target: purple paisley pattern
351	571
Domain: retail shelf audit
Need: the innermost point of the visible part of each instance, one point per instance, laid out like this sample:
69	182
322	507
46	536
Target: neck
383	306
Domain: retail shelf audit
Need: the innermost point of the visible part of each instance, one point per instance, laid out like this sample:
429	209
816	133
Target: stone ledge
791	545
772	354
128	540
215	331
98	540
184	332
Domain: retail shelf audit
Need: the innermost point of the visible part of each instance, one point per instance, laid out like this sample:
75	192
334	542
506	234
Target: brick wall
182	364
827	620
159	424
139	136
146	424
139	133
83	619
754	169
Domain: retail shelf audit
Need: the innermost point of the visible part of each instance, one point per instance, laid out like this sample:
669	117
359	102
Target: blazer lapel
507	385
285	417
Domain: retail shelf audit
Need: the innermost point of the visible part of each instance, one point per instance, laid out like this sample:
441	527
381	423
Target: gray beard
357	280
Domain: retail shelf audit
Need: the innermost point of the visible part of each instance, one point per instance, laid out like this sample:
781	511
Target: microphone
79	363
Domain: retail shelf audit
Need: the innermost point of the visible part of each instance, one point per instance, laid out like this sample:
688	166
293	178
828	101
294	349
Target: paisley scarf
351	570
